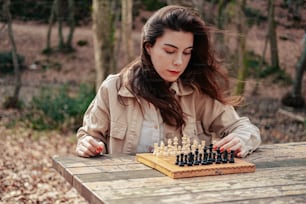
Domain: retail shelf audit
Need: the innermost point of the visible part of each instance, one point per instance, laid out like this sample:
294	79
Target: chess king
176	87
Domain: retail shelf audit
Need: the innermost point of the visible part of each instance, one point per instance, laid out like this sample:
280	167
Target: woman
174	88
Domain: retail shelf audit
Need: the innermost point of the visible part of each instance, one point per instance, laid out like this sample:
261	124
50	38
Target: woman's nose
178	60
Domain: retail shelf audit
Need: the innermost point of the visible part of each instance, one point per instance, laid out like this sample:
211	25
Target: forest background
51	63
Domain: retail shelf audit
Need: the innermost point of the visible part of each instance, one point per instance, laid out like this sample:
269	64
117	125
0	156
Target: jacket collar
177	87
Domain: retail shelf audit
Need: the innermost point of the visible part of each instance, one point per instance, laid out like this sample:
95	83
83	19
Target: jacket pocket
118	130
202	135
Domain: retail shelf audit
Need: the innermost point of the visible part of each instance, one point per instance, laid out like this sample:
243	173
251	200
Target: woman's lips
173	72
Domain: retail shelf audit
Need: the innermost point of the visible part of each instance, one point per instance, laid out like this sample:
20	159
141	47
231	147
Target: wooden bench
280	176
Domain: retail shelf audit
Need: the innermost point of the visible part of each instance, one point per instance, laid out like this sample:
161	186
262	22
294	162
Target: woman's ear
148	48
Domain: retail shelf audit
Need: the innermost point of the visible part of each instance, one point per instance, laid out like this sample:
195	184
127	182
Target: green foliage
6	62
82	43
56	109
12	102
29	10
278	74
153	5
254	16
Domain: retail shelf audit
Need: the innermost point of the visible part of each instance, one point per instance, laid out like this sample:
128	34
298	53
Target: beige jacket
119	126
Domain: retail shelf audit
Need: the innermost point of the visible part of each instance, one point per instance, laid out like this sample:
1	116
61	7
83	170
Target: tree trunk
14	100
300	67
242	67
295	98
51	21
71	7
220	44
103	37
59	15
273	37
126	29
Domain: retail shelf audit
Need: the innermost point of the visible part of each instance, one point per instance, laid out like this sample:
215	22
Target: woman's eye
169	52
187	53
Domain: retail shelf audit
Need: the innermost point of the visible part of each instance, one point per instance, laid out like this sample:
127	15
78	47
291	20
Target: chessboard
167	165
191	159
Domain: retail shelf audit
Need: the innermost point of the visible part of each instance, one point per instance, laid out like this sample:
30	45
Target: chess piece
232	157
181	163
219	158
225	157
196	160
177	159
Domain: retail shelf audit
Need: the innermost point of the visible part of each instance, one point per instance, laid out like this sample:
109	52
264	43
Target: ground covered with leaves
26	173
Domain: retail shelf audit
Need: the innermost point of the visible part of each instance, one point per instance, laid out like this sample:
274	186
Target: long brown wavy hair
202	72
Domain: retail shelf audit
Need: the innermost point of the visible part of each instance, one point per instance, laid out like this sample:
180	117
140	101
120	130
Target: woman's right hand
88	146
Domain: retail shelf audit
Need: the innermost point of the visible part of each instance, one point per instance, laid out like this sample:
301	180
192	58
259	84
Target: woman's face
171	53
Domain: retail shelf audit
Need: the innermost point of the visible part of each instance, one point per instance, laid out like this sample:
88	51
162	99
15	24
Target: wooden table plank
247	186
280	177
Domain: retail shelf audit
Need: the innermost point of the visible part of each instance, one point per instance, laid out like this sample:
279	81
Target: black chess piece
185	159
232	157
210	154
190	159
205	157
196	160
181	163
219	158
200	158
177	159
213	158
225	157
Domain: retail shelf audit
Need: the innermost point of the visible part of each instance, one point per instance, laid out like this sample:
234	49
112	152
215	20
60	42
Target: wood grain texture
280	177
166	166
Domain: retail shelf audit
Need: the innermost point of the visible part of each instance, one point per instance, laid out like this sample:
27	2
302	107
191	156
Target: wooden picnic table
280	177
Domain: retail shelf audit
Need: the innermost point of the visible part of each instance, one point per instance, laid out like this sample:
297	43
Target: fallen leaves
26	173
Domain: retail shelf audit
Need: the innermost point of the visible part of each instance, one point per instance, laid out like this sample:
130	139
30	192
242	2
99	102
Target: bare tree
242	67
221	47
126	29
71	19
103	36
14	100
272	36
57	14
295	98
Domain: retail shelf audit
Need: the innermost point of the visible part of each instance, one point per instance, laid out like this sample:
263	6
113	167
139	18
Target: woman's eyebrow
177	47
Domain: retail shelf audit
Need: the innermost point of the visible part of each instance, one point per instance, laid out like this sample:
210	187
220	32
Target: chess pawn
179	149
203	143
165	152
195	142
175	141
158	152
156	149
188	142
169	142
172	151
200	146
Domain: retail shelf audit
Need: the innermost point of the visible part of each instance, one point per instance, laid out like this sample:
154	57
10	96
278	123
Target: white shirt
152	128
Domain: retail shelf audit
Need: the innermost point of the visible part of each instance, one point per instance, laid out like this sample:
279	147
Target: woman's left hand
231	142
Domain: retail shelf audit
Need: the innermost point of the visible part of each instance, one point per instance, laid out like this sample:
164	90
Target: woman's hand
88	146
231	142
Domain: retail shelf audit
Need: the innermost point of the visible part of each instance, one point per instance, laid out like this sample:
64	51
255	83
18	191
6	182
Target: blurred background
55	53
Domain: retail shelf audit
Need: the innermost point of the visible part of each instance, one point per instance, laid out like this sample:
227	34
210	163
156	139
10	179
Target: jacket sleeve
96	120
223	120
